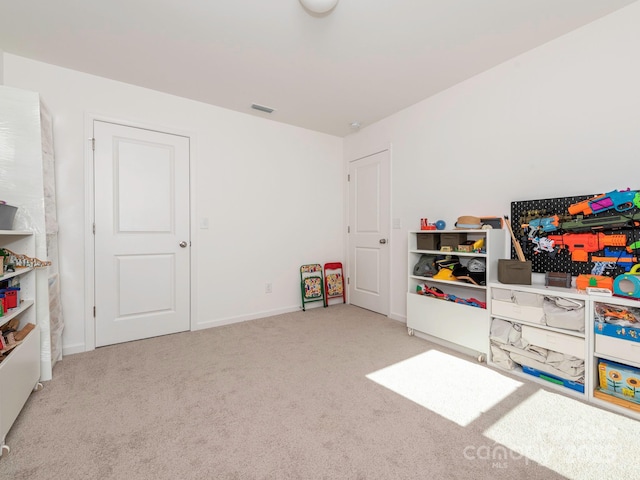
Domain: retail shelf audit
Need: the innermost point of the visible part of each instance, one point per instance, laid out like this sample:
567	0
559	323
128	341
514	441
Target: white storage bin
618	348
564	313
517	312
527	299
558	342
502	294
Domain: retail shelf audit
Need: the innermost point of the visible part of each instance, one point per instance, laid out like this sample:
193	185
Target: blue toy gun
621	200
546	225
620	258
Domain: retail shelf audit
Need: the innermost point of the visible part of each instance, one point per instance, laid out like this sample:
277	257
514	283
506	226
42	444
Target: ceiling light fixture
355	126
319	6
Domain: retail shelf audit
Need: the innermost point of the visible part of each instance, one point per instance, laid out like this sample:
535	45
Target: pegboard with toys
588	234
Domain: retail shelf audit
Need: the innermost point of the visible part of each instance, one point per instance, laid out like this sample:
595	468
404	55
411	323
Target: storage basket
7	214
564	313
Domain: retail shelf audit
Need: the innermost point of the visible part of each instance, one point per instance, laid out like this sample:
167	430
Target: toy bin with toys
617	331
622	381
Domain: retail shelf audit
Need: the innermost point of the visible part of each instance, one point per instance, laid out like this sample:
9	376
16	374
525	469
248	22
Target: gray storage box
7	213
514	272
452	239
428	241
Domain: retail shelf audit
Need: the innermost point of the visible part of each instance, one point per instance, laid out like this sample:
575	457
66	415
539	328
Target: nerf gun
546	225
580	223
581	244
621	200
616	257
600	223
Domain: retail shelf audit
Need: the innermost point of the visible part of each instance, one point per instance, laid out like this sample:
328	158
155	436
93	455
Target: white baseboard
72	349
80	347
398	318
243	318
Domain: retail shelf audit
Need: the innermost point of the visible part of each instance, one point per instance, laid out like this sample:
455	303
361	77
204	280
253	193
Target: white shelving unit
28	184
20	368
574	342
455	325
591	347
624	352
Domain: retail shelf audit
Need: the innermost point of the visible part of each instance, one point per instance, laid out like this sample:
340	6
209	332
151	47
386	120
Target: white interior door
369	212
142	265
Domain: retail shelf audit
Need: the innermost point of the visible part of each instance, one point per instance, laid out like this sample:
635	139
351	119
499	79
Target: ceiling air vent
262	108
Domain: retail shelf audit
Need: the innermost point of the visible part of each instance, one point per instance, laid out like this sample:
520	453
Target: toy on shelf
491	222
23	261
425	266
557	279
428	291
584	281
468	222
425	225
616	314
628	284
424	289
472	246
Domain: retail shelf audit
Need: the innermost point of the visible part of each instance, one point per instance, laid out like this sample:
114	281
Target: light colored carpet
307	395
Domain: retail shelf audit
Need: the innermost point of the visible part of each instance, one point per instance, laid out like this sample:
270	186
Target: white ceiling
365	60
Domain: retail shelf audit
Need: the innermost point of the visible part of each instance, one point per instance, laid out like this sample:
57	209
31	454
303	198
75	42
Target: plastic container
10	297
578	387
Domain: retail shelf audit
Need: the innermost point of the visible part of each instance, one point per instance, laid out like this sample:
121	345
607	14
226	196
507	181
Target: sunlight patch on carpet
456	389
576	440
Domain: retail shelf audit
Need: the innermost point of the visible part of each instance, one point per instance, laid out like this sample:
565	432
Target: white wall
560	120
273	193
563	119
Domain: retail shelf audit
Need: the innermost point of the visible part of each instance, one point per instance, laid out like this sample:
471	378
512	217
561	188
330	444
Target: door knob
383	241
183	244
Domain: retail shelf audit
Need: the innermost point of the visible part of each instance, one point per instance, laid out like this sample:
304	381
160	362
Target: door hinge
348	177
348	229
94	311
94	228
93	144
348	280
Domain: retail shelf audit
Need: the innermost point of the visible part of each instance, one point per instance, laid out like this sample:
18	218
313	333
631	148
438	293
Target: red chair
334	282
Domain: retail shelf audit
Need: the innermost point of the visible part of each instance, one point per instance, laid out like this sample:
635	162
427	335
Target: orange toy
583	281
581	244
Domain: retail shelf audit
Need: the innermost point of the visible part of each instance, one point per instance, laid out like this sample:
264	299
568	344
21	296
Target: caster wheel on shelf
482	358
410	331
38	387
5	450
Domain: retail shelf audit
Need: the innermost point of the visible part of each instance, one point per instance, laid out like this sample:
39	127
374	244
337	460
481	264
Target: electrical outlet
268	288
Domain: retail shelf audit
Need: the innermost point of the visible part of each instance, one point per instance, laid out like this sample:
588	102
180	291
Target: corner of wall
1	67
